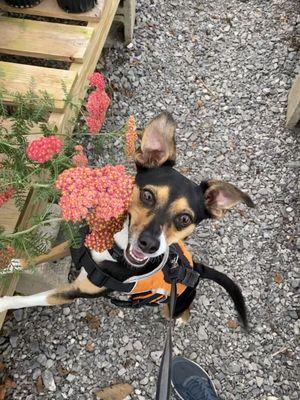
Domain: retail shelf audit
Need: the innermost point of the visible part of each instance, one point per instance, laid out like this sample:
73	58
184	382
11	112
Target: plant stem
32	228
41	185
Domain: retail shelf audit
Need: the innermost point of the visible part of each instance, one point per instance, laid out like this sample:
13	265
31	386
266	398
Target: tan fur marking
85	286
139	215
164	311
142	216
162	194
185	316
173	235
180	206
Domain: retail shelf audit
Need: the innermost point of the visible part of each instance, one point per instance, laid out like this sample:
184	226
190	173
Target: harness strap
149	301
96	275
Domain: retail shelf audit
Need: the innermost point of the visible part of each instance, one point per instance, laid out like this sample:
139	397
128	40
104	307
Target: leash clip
174	262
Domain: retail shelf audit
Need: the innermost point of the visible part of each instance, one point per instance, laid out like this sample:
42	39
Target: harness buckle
191	278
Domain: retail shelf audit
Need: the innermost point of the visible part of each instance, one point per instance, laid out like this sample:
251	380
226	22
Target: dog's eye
147	198
182	221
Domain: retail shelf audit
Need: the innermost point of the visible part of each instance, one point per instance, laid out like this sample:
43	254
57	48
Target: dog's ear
219	197
158	142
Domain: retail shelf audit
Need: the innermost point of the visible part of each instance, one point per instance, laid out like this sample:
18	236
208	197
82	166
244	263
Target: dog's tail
231	288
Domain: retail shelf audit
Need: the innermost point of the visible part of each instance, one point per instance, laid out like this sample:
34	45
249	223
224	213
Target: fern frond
20	197
72	233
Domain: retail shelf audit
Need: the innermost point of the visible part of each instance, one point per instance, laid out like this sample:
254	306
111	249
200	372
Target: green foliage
72	233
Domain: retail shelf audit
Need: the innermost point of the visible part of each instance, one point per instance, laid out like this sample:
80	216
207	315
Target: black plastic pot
76	6
23	3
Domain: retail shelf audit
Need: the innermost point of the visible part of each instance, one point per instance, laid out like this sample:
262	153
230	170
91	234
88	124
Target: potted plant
77	6
48	164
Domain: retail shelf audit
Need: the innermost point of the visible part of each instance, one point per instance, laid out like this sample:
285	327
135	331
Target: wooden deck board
50	8
20	77
101	30
44	39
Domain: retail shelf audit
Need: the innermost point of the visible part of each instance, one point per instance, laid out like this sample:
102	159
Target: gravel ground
223	69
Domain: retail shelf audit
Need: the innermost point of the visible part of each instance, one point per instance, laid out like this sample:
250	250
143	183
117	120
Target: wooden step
20	78
50	8
47	40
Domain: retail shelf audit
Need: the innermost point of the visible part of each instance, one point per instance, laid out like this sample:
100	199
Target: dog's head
166	206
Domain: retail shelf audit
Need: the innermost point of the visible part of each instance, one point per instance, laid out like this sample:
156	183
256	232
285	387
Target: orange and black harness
149	289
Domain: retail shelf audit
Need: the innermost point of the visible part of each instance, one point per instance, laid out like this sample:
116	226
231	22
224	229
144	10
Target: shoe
190	381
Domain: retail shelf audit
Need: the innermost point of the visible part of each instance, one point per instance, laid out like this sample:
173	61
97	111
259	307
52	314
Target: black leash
163	388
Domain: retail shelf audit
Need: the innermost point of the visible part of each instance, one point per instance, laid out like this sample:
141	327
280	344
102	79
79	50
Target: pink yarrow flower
97	79
79	159
104	193
97	104
43	149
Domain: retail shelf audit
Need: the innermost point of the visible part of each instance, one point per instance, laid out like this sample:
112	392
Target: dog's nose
147	243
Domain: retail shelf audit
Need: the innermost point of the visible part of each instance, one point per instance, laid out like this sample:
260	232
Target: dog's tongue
137	254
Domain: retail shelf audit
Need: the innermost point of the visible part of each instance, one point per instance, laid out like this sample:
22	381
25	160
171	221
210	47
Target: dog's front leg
81	287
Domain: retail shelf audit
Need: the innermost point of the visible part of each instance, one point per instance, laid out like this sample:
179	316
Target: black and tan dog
165	209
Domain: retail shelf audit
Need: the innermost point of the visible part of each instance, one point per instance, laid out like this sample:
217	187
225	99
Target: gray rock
18	314
42	359
138	345
48	381
156	356
227	88
202	335
13	340
66	310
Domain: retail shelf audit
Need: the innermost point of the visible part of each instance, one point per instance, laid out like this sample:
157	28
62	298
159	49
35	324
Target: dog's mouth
134	256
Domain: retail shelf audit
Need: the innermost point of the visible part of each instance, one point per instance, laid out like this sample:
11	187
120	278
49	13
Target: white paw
180	322
4	303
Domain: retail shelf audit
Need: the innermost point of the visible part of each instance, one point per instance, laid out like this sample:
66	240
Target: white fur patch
14	302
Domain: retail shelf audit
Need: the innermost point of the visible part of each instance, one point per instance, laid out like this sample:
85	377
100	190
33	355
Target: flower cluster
97	80
6	195
43	149
100	196
130	137
105	191
97	103
102	232
79	159
6	254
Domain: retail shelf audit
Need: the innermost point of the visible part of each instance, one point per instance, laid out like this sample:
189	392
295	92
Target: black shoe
190	381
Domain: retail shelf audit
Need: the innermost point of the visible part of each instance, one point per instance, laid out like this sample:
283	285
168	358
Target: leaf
9	383
63	371
90	347
2	392
278	278
2	367
115	392
93	321
39	385
232	324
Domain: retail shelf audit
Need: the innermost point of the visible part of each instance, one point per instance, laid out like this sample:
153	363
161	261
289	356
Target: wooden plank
59	251
50	8
9	215
20	77
64	121
7	288
47	40
293	109
9	283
